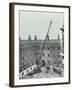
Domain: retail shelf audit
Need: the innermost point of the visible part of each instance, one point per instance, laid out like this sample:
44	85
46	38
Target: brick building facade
30	52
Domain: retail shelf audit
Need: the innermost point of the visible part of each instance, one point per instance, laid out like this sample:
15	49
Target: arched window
43	63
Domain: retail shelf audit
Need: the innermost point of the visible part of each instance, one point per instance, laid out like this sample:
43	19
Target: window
53	55
58	48
23	57
59	55
37	47
36	61
48	55
53	48
43	54
43	63
48	48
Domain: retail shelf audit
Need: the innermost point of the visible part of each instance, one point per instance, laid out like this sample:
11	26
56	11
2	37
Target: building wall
31	52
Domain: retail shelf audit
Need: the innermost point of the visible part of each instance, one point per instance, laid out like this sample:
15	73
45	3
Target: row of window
53	48
44	55
53	55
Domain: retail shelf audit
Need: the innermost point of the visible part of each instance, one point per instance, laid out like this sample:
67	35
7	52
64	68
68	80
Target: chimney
29	37
35	37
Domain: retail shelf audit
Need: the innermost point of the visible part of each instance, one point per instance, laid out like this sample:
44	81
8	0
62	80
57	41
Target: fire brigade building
31	51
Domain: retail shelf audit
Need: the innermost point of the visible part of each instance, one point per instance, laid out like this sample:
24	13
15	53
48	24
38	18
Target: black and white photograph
40	44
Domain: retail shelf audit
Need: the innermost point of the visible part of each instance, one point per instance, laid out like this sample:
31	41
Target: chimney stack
29	37
35	37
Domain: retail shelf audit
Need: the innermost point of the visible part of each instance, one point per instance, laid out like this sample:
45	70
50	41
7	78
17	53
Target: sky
37	23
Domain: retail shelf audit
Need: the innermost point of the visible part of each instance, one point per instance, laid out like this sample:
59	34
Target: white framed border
16	45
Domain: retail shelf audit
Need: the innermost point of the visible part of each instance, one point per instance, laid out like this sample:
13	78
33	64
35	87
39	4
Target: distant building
30	52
